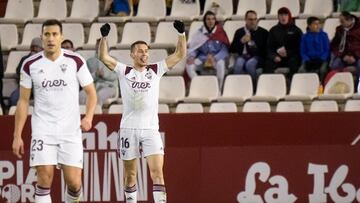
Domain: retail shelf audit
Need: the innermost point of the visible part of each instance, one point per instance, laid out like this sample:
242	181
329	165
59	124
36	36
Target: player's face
52	38
140	55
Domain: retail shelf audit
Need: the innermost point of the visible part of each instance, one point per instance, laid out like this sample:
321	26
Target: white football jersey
140	95
55	87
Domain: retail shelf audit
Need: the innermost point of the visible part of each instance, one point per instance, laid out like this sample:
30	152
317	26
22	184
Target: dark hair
250	11
132	47
311	19
68	41
52	22
208	13
347	15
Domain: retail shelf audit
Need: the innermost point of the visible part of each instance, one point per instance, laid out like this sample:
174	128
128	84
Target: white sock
42	194
130	194
159	193
72	197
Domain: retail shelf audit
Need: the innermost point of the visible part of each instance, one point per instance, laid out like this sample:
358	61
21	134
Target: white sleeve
84	76
120	69
162	68
25	78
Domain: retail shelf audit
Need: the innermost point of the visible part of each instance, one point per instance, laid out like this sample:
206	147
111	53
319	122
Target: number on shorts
37	145
125	142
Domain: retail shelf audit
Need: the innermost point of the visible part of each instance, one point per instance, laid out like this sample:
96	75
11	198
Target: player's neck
139	68
52	55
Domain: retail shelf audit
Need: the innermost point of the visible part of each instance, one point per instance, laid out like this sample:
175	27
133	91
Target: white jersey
55	87
140	95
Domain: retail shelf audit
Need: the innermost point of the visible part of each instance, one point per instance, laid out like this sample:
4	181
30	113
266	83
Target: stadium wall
214	158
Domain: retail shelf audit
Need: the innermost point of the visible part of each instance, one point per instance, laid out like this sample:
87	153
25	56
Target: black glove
179	26
105	29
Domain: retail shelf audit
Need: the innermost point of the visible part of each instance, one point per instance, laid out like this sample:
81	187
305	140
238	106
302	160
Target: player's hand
86	124
18	147
105	29
179	26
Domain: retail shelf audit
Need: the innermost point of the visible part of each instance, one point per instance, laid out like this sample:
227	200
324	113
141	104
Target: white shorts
134	142
66	153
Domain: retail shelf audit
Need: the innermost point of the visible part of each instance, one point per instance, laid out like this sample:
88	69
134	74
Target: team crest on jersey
148	75
63	67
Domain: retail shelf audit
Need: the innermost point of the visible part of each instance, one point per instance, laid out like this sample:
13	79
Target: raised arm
20	119
180	51
104	56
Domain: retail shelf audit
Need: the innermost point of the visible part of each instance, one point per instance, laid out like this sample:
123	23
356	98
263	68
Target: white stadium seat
51	9
83	11
268	24
259	6
324	106
256	107
8	36
237	88
203	89
166	36
342	81
86	54
164	108
189	108
95	34
352	105
292	5
231	26
131	34
270	87
290	106
304	87
184	11
330	26
318	8
115	109
228	107
75	33
172	89
150	11
13	62
30	32
18	11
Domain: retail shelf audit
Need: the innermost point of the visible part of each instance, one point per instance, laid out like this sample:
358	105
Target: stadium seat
166	36
98	109
184	11
302	24
228	107
115	109
83	11
270	87
95	34
156	55
195	25
131	34
292	5
189	108
12	110
123	56
86	54
324	106
75	33
259	6
231	26
203	89
224	12
30	32
330	26
178	69
9	85
12	63
8	36
352	105
18	11
237	88
331	91
256	107
304	87
268	24
150	11
172	89
356	96
51	9
1	112
164	108
290	106
318	8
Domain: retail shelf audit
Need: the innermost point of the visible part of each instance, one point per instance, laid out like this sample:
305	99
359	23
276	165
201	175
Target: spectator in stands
118	7
314	48
208	48
67	44
283	46
105	80
348	5
345	46
35	47
250	45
